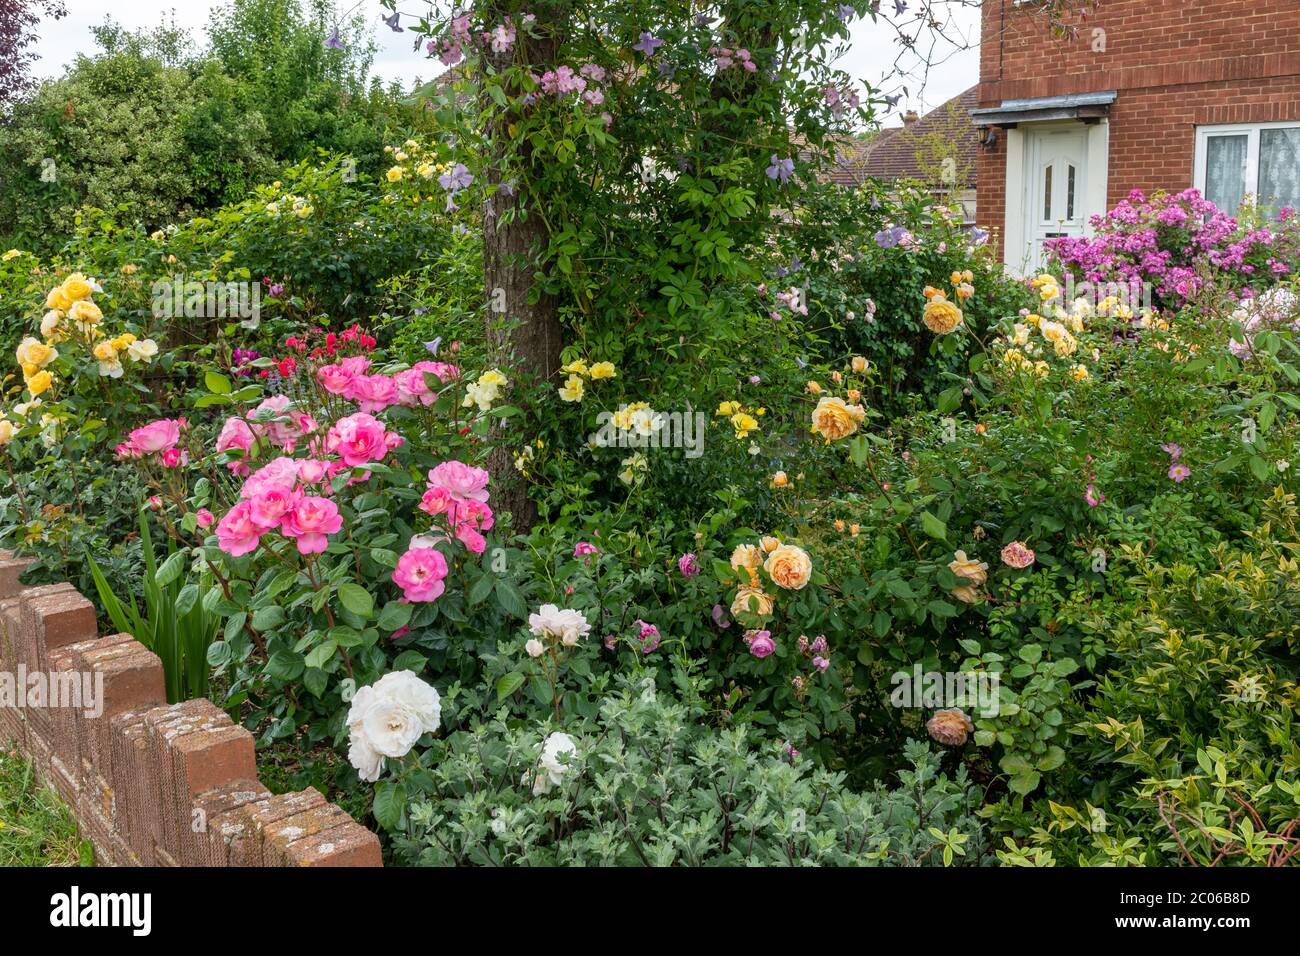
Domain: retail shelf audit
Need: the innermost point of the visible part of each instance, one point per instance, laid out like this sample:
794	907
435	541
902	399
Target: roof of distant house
892	152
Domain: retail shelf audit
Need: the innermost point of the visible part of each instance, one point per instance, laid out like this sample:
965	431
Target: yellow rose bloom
789	566
858	364
7	431
39	383
577	367
762	606
1079	373
11	254
813	388
394	174
104	351
85	312
603	370
129	269
33	353
727	409
941	316
58	299
780	480
572	389
743	424
76	286
834	419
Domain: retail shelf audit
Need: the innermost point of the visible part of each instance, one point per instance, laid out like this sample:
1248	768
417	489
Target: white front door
1056	186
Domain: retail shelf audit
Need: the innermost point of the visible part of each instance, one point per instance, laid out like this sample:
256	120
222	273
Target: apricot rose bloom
941	316
76	286
789	566
833	418
974	571
741	604
746	556
950	727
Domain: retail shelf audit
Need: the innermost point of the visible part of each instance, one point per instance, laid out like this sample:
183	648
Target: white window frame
1251	131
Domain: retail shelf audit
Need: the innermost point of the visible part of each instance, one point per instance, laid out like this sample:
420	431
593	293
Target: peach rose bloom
974	571
941	316
741	604
746	556
833	418
789	566
966	594
950	727
769	544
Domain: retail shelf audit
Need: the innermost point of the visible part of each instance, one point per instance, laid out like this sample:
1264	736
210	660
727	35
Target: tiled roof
892	153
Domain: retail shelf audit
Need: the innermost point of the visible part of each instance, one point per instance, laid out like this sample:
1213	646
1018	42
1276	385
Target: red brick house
1151	94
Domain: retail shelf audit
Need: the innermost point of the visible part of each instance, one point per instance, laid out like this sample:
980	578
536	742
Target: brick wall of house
1176	64
151	783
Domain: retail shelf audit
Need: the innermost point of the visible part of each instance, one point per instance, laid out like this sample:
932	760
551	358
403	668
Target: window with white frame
1258	159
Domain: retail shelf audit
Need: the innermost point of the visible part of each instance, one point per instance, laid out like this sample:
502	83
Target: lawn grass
36	828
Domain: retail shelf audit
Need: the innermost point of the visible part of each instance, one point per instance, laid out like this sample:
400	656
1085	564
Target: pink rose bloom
334	379
203	518
237	533
761	644
157	436
280	432
1179	472
280	473
1016	555
174	457
445	372
436	501
235	433
471	517
688	565
463	482
126	451
373	392
312	471
412	389
309	522
357	439
267	509
419	573
584	549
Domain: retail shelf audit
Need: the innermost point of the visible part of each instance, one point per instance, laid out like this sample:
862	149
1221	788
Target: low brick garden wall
151	783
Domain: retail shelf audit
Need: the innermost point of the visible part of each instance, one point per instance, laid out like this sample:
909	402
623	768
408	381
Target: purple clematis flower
648	44
334	41
392	24
781	169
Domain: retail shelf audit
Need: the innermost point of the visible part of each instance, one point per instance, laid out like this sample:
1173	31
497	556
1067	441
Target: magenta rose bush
1178	244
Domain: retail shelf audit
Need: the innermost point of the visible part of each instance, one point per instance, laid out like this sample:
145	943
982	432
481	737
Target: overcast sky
873	52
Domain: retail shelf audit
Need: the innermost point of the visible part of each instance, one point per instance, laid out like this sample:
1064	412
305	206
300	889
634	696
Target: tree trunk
525	337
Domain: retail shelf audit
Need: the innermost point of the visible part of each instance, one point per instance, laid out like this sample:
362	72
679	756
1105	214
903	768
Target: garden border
151	784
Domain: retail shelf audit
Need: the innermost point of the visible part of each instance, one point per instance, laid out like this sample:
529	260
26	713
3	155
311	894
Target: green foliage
174	622
649	786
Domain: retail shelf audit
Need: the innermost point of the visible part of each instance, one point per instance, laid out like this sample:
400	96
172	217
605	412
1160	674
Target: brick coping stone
151	783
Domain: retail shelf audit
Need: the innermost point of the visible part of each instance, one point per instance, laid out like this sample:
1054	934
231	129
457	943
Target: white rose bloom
388	717
534	647
564	623
559	747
